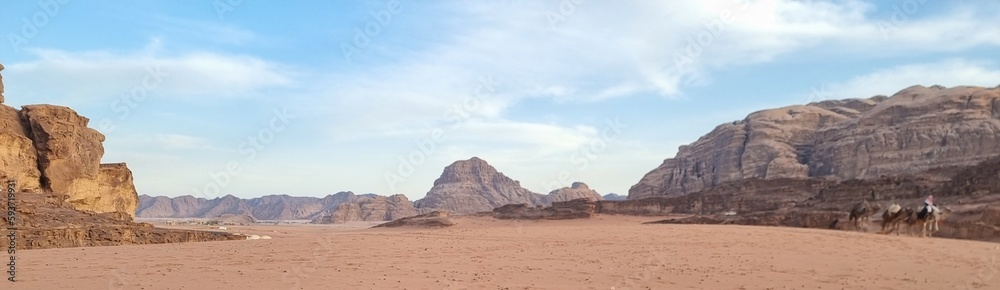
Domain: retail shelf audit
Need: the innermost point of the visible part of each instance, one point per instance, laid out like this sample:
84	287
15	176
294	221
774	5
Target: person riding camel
929	203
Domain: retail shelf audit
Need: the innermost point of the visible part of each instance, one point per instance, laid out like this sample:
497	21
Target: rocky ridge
377	208
46	220
916	130
270	207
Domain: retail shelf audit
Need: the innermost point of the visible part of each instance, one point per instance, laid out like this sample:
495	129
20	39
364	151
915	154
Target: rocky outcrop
378	208
613	196
51	149
970	198
1	85
270	207
576	191
574	209
469	186
916	130
434	219
117	189
69	155
233	219
46	220
17	151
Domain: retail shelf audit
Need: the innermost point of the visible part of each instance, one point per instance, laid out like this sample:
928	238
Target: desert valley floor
605	252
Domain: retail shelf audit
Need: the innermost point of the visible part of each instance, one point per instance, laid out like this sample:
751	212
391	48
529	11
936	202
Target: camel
860	214
928	221
891	218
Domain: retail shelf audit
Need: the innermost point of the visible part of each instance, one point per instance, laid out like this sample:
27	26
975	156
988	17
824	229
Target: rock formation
116	189
573	209
378	208
434	219
46	220
270	207
469	186
49	148
17	152
576	191
1	84
233	219
614	196
916	130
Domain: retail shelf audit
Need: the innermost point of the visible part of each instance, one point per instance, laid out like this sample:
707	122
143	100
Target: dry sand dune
606	252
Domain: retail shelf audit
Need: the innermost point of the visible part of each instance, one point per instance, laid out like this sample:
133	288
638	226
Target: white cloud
603	50
888	81
71	77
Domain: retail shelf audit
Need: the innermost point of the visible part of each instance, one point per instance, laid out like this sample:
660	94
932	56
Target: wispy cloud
62	76
888	81
591	57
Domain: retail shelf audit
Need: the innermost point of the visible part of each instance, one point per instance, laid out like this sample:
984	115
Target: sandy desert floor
606	252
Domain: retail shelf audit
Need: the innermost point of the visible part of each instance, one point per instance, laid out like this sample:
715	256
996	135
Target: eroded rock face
45	220
915	130
576	191
17	152
69	153
580	208
434	219
470	186
378	208
1	85
117	190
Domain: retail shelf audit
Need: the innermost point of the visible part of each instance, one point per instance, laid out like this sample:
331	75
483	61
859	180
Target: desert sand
605	252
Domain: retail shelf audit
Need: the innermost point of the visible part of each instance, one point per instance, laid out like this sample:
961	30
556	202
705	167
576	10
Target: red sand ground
606	252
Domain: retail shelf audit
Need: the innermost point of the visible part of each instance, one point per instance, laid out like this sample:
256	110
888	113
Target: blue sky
249	98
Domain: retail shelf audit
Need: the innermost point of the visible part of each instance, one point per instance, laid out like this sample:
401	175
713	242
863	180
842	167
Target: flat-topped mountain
916	130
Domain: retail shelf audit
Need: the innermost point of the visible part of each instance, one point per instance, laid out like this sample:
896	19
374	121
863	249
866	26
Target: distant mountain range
270	207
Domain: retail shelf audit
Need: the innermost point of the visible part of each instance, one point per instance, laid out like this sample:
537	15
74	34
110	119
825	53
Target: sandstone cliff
1	85
576	191
916	130
470	186
17	151
378	208
50	148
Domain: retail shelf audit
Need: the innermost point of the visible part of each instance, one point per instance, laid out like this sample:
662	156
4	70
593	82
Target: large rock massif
472	186
47	148
62	195
806	166
917	130
469	186
369	209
